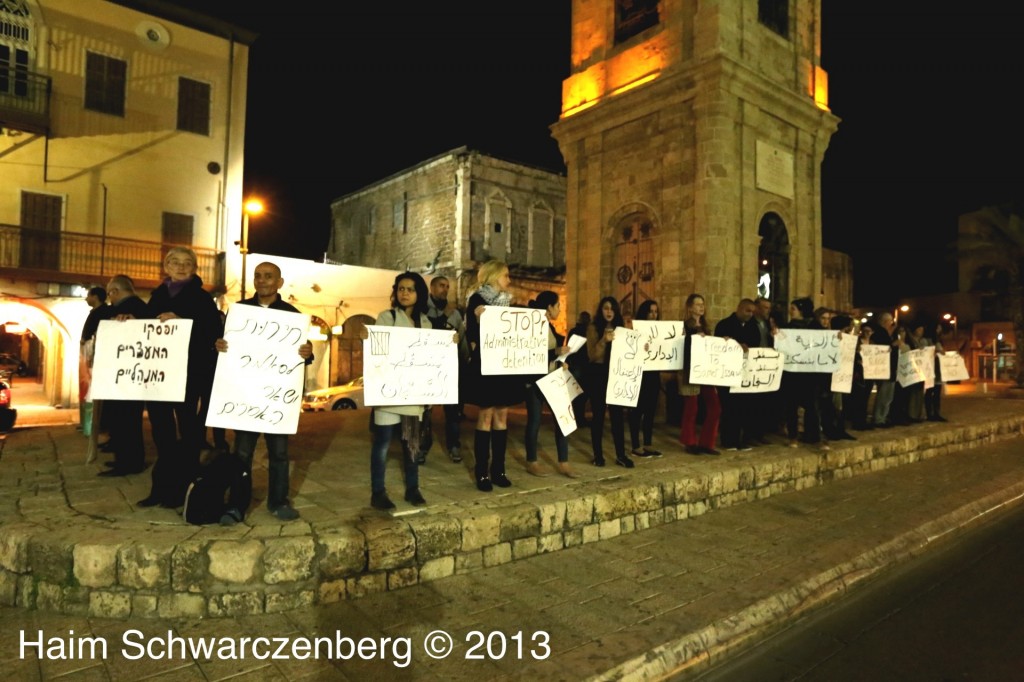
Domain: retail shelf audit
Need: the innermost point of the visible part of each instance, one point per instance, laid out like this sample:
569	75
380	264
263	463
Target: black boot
481	451
499	443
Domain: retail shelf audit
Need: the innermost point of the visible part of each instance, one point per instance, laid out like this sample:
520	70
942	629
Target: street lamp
951	318
896	313
250	207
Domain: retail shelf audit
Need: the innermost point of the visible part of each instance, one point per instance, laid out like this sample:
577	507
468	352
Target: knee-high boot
499	443
481	453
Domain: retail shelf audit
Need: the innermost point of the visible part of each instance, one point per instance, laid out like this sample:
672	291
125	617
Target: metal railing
24	100
92	257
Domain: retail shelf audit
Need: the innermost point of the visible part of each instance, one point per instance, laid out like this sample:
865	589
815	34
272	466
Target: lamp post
896	313
951	318
250	207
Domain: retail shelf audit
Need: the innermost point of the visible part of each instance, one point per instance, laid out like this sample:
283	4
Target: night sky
927	96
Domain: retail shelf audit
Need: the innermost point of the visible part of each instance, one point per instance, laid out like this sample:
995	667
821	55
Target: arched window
773	262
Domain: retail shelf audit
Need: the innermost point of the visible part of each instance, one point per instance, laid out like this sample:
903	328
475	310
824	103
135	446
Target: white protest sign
842	378
662	344
875	358
928	365
809	350
762	371
625	368
715	361
952	367
558	390
909	369
513	341
141	360
574	343
409	366
259	380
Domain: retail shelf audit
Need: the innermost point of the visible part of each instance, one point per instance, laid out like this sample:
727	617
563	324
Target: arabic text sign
809	350
662	344
842	378
408	366
559	389
625	368
513	341
875	358
259	380
141	360
910	368
952	367
715	361
762	371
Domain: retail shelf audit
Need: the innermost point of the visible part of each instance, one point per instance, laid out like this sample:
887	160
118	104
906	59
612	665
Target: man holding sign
267	282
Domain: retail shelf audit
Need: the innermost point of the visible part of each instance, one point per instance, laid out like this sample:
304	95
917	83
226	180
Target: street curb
696	652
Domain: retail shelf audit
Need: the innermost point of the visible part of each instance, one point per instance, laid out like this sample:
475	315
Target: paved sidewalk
634	607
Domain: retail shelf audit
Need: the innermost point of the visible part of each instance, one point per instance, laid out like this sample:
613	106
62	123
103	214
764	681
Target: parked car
8	415
13	364
345	397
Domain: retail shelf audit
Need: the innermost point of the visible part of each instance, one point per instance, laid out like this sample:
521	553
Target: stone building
693	134
449	214
121	133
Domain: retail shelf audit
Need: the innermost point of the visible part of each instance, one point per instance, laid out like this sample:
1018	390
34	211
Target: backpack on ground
222	484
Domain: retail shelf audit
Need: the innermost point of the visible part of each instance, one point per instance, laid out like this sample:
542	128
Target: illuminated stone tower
693	133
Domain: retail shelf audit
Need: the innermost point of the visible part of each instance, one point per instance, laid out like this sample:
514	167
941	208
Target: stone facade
693	150
450	213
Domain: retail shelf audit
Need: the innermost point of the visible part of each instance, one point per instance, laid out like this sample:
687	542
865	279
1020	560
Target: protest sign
408	366
625	368
574	343
259	380
809	350
928	365
715	361
141	360
762	371
952	367
909	369
559	388
842	378
662	344
875	358
513	341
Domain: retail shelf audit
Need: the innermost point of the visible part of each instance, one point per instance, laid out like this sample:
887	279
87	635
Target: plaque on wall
774	170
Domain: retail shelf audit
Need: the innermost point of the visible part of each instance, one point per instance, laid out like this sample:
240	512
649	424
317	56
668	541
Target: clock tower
693	133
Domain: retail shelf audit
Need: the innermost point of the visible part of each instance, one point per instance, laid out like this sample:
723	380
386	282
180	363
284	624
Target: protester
578	363
600	335
641	417
883	334
801	390
693	394
176	429
739	409
444	313
267	281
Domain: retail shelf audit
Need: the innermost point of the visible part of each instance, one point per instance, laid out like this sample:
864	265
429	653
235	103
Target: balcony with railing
24	100
77	258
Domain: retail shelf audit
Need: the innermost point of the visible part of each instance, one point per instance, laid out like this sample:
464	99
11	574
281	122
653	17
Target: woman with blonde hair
696	323
493	394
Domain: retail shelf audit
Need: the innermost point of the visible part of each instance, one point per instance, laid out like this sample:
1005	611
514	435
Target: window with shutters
105	82
193	106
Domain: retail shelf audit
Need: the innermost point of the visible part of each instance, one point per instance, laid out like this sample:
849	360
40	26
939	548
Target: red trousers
712	413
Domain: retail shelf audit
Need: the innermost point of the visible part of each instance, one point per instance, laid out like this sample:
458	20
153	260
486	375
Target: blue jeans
883	400
277	464
379	459
534	408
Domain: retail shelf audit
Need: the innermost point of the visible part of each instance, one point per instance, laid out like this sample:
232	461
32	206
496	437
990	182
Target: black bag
224	483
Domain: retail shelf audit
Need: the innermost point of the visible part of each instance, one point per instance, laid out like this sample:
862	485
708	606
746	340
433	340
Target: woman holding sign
641	417
408	309
696	323
547	301
493	394
600	335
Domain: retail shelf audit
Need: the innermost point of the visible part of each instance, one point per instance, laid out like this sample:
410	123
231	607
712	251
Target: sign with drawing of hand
260	377
625	368
662	344
409	366
141	360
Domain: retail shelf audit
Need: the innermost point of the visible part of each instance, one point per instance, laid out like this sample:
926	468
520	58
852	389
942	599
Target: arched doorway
635	272
773	263
43	341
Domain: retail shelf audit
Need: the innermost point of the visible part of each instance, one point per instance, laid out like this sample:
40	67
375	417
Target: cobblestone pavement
640	596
